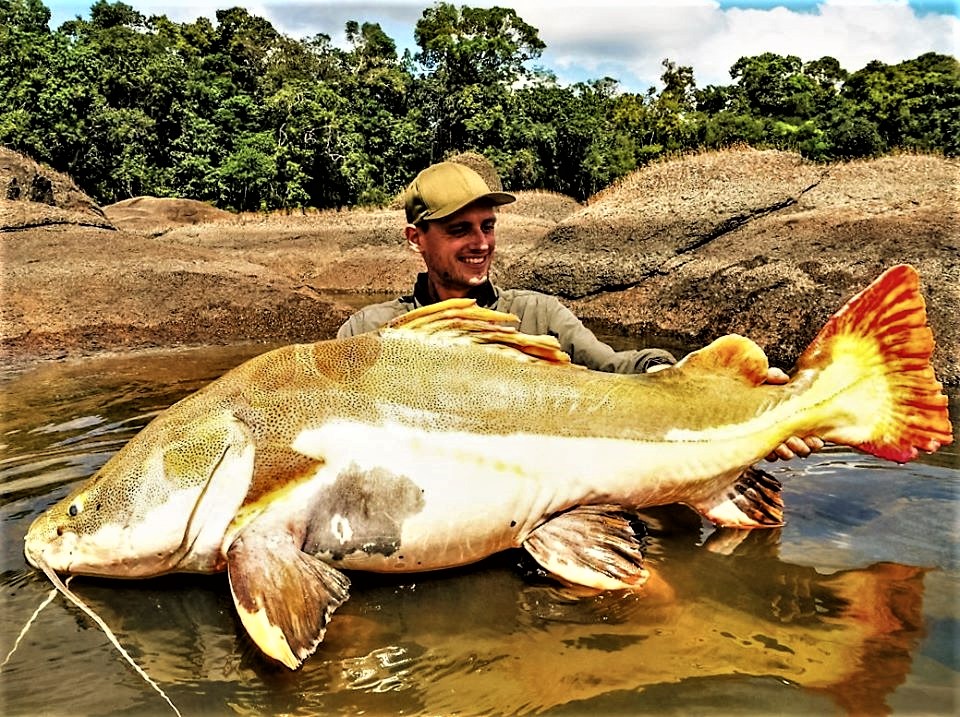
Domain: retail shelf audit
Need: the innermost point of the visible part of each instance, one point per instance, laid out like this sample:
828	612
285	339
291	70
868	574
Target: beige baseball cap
447	187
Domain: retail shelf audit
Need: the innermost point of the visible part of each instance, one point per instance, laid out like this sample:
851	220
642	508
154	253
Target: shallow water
849	608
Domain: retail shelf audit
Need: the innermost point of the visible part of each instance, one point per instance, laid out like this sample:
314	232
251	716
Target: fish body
447	436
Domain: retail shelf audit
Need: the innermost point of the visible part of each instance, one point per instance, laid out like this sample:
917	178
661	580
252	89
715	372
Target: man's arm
372	317
544	314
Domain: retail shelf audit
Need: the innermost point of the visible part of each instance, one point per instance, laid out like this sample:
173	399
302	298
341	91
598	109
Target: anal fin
284	597
752	501
592	545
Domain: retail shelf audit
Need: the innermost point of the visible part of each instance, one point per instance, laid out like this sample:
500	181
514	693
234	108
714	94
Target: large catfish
447	436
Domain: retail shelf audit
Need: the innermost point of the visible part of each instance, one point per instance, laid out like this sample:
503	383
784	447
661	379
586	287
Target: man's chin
477	281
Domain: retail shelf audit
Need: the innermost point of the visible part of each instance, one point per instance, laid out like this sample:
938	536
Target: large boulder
759	243
158	214
34	195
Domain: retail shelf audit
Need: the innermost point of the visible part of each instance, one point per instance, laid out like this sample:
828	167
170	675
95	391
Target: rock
155	215
79	290
757	243
541	204
627	232
37	196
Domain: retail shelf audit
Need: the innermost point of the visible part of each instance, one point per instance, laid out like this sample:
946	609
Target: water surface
850	608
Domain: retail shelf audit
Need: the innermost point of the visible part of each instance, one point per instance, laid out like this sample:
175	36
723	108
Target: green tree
379	105
241	48
774	86
27	48
678	85
851	136
236	113
247	177
567	139
828	77
714	99
914	104
674	124
472	57
24	16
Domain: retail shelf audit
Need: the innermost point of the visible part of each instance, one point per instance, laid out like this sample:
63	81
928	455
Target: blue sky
628	39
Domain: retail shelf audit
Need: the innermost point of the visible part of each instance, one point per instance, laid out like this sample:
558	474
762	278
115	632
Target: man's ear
413	237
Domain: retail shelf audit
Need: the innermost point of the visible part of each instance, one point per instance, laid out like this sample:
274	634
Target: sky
629	39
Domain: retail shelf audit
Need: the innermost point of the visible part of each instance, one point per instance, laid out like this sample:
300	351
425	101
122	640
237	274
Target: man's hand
794	446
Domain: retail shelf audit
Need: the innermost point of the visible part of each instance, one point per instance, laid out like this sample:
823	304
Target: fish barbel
447	436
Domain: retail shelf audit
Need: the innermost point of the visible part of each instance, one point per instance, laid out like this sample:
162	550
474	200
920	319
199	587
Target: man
451	222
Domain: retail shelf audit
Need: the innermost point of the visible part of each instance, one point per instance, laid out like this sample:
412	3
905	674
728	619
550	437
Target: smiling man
451	222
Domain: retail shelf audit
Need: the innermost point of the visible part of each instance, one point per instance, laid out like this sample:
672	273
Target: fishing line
70	595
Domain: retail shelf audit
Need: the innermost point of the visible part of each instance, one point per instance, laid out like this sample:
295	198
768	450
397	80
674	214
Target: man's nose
478	239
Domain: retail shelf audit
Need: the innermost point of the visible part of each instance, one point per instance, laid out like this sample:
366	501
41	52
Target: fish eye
73	510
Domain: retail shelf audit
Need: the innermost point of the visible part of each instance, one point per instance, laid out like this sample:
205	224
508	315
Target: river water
850	608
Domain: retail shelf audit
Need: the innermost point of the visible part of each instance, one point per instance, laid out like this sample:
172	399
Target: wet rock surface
768	246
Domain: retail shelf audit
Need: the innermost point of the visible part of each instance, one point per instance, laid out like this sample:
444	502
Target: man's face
458	249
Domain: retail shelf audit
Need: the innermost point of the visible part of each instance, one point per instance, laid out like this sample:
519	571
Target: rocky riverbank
758	243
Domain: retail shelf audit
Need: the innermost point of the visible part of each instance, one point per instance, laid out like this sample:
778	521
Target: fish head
161	504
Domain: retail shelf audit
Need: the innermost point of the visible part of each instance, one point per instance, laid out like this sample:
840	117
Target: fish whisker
27	626
76	600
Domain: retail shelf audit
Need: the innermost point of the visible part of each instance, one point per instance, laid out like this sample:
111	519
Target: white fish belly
396	498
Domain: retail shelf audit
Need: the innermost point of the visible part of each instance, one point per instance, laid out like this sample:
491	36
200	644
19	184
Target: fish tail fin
872	366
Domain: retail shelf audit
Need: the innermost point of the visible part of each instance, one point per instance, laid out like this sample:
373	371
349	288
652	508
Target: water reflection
849	609
492	640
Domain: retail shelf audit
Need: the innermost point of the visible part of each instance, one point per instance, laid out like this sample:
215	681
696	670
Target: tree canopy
240	115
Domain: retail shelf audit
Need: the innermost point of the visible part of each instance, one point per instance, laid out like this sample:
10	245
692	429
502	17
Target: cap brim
495	198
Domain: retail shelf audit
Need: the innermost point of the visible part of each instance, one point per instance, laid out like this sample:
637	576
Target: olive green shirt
538	313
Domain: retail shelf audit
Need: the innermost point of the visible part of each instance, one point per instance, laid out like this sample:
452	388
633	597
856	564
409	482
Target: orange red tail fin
877	350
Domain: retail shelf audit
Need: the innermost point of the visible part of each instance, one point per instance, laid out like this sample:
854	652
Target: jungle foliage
240	115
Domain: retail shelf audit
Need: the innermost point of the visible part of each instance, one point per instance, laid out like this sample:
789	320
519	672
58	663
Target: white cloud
854	34
636	37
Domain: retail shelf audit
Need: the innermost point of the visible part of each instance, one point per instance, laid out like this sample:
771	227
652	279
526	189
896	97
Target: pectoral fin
284	596
592	545
225	485
753	501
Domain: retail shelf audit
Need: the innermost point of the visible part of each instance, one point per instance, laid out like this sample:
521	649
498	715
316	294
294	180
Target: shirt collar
423	294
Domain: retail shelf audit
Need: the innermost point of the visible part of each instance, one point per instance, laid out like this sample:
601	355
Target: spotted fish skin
448	436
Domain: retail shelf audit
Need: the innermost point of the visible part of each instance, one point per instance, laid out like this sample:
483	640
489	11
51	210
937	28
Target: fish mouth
49	548
33	558
40	538
55	553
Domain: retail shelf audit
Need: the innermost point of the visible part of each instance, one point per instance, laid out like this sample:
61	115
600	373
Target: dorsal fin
462	321
732	354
